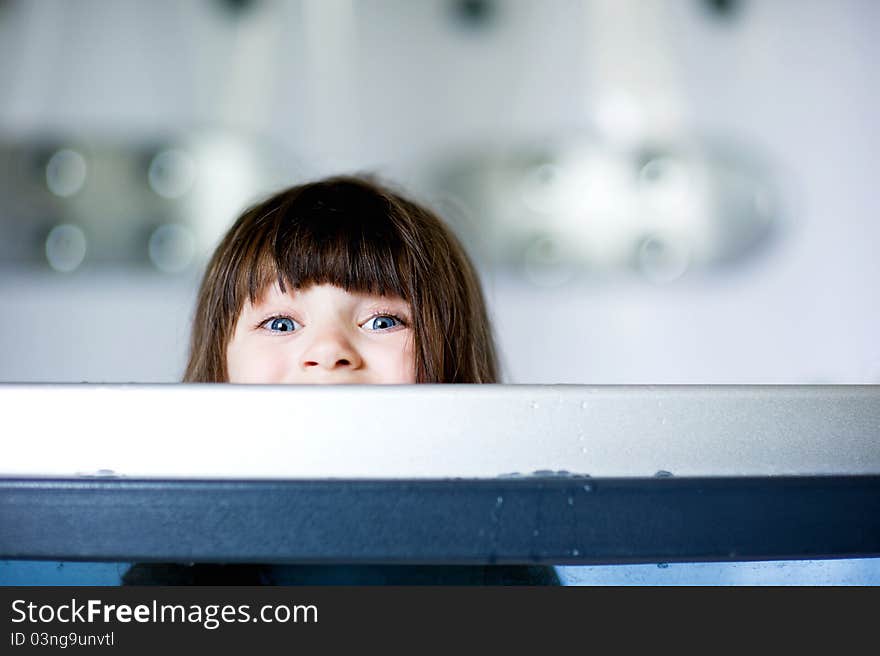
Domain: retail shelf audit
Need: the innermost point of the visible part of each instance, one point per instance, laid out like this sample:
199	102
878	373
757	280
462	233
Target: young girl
340	281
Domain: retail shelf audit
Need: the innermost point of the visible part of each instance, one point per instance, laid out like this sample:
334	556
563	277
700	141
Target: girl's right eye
281	324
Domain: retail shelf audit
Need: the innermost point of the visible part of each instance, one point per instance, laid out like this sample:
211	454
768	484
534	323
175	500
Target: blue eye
383	322
281	324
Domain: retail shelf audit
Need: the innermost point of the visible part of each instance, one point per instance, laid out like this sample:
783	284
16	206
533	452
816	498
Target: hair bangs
351	239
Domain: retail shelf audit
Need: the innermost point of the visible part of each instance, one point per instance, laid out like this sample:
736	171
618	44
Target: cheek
409	360
398	363
248	363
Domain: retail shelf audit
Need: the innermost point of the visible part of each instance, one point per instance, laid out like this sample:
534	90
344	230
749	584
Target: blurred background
655	191
676	191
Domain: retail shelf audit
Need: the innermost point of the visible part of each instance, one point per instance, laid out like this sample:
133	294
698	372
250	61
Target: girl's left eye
383	322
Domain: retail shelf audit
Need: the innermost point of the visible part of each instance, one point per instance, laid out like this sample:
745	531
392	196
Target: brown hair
359	235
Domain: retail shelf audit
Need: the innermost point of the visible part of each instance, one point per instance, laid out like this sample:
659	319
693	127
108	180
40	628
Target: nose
331	351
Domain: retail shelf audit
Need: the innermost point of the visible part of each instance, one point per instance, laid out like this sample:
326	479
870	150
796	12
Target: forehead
323	293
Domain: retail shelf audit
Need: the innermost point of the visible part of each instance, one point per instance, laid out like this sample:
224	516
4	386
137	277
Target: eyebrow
397	306
373	301
386	300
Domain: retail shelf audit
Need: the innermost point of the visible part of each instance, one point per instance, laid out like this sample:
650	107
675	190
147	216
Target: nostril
341	362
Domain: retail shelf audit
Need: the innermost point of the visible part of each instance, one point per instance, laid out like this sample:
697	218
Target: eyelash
401	320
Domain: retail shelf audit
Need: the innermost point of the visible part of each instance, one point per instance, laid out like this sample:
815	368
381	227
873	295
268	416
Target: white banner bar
437	431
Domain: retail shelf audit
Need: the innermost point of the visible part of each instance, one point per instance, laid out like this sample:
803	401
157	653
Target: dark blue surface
552	521
863	571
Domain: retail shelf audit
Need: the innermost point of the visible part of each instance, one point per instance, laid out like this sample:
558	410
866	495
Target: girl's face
322	334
